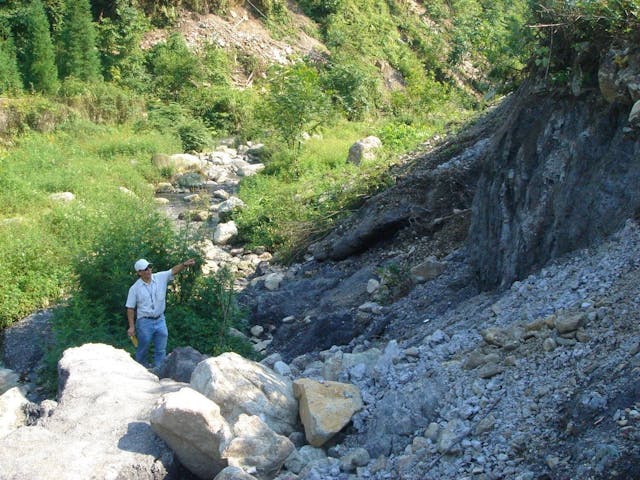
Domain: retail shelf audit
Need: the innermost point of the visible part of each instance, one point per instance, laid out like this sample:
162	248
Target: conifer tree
10	80
36	55
78	56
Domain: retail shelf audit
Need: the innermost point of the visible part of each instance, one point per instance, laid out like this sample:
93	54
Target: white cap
141	264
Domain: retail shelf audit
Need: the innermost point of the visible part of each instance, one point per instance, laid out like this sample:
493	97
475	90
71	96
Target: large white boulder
100	428
240	386
194	429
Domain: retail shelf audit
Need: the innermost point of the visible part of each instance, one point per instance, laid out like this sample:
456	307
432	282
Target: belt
152	318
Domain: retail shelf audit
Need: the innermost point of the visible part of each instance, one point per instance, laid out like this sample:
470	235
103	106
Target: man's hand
131	331
181	266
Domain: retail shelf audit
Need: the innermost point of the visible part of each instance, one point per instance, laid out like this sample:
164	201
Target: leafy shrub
194	136
31	277
10	80
319	10
224	110
400	136
119	36
296	102
354	87
173	67
563	29
200	310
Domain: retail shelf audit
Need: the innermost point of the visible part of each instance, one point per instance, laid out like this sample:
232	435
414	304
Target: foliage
101	102
319	10
571	35
590	19
354	87
175	119
77	52
400	137
36	55
119	45
295	102
304	191
165	12
194	136
224	110
200	310
87	160
10	80
173	68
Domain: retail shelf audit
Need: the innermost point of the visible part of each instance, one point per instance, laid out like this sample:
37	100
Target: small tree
296	102
119	44
35	50
173	67
10	80
78	55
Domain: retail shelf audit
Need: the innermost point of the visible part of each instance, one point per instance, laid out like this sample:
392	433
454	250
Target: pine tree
10	81
78	56
36	54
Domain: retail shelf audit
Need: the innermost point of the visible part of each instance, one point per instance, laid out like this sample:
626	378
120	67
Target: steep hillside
241	33
532	380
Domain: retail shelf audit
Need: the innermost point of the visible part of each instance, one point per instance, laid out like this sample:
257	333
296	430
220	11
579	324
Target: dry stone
240	386
100	428
428	270
569	323
364	150
234	473
325	408
256	448
12	403
192	426
225	232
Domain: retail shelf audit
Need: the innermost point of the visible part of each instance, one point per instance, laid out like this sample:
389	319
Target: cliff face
562	172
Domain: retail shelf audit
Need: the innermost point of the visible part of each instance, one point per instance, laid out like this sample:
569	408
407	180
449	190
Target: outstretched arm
181	266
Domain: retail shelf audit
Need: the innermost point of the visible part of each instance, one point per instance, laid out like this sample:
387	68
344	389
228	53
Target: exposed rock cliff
561	174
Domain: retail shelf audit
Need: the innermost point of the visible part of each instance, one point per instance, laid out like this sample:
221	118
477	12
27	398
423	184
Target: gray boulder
180	363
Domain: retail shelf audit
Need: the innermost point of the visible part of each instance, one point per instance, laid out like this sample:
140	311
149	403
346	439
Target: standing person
146	303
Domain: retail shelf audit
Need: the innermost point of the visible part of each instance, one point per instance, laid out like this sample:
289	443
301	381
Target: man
146	303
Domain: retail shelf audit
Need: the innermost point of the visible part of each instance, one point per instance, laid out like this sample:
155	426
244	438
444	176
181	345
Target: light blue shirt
149	299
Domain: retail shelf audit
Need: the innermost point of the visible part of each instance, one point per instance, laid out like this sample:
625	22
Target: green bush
296	102
224	110
194	136
10	80
400	137
173	68
354	87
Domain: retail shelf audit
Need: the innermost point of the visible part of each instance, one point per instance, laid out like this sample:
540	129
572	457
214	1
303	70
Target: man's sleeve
167	276
131	298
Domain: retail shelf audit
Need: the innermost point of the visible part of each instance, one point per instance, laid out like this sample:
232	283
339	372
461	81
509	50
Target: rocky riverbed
538	381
